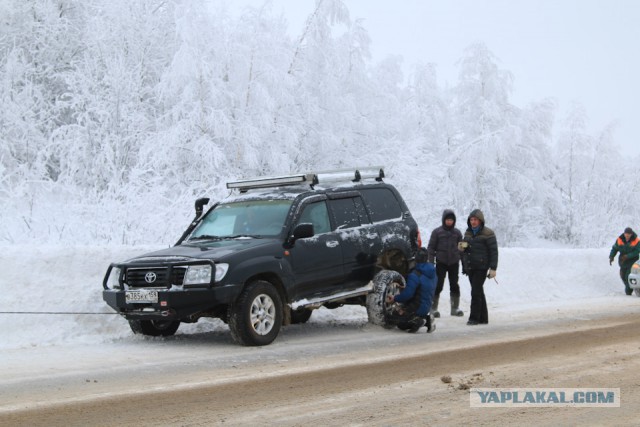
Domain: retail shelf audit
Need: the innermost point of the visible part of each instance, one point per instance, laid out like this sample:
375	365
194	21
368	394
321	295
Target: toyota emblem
150	277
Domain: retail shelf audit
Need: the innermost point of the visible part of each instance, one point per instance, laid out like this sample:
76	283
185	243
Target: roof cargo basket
310	178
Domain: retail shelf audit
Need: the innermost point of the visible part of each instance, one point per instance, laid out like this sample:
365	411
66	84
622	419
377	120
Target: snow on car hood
216	250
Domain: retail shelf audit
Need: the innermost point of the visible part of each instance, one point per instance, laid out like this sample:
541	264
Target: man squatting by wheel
413	310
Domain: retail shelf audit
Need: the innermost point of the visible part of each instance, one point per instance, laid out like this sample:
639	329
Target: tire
300	315
256	317
384	282
154	328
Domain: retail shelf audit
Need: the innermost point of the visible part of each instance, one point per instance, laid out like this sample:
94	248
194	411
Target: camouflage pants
403	320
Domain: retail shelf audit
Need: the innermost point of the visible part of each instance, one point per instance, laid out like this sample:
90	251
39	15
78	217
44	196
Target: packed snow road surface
362	375
558	318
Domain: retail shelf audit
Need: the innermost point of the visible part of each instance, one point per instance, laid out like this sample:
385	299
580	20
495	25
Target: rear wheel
256	317
384	282
154	328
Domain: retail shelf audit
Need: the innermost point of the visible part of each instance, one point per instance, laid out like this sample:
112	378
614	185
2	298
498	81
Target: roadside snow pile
539	276
54	279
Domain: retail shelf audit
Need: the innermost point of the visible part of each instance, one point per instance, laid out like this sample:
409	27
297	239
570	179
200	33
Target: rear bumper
178	305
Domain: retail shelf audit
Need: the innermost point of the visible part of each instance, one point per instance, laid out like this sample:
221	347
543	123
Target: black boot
434	306
431	323
416	323
455	303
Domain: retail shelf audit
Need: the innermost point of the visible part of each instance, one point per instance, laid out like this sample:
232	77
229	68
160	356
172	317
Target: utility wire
51	312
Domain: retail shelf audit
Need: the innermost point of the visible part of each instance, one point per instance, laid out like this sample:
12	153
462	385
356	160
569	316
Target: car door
316	261
357	239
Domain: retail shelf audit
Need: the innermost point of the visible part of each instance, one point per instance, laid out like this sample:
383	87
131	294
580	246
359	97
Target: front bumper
175	301
173	304
634	281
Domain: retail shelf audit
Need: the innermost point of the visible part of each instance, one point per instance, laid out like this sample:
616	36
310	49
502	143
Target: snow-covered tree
589	177
485	123
116	115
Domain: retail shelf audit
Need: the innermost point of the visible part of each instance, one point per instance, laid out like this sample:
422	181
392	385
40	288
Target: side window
362	212
381	204
348	212
317	214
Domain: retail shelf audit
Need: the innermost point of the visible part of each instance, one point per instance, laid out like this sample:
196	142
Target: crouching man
411	308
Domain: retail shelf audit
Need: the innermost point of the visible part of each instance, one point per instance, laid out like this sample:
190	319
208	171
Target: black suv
271	253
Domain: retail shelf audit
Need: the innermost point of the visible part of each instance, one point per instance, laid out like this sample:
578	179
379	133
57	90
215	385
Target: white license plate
143	295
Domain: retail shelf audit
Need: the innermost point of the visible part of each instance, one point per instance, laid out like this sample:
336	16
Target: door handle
332	243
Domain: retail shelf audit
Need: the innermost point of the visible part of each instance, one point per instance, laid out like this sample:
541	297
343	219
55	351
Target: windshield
255	218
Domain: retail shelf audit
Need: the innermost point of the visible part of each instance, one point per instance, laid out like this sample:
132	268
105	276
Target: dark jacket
418	294
482	253
630	249
443	243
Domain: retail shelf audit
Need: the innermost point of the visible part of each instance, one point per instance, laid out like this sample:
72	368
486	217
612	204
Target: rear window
381	204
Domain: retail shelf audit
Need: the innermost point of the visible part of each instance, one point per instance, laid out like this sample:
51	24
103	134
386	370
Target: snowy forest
116	115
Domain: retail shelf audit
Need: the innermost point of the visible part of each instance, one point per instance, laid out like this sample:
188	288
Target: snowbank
57	279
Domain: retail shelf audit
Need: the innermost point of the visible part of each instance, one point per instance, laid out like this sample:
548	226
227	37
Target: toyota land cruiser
270	253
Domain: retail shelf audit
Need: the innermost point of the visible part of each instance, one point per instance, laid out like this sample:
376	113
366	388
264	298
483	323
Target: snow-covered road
63	359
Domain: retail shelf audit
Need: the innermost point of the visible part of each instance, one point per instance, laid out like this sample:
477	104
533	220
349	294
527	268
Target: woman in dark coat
479	262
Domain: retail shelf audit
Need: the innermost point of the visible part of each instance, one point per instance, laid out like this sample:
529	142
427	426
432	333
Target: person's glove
611	261
462	246
623	258
492	274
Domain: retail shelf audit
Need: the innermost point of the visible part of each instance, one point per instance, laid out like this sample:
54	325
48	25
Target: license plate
143	295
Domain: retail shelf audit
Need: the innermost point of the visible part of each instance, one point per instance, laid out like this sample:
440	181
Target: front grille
164	277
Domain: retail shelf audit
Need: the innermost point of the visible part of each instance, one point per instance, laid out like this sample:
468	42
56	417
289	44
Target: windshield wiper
253	236
206	237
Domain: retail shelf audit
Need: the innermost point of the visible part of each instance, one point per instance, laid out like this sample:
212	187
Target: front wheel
384	282
154	328
256	317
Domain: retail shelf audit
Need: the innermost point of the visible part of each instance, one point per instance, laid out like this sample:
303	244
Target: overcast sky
585	51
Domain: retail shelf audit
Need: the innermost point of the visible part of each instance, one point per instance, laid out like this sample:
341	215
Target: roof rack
310	178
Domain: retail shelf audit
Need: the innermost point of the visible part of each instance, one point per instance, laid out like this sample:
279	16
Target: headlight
635	269
197	275
221	271
114	279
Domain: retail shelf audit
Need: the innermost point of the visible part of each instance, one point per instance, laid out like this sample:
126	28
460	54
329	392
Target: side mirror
200	205
302	231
